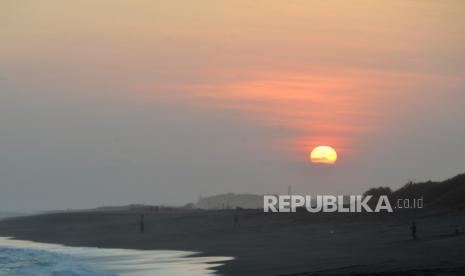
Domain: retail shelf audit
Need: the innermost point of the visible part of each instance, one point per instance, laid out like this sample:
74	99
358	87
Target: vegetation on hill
449	193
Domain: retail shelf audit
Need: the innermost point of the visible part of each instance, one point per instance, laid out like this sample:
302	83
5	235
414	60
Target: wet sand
269	244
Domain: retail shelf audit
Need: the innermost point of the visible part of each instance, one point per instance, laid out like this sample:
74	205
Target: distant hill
230	201
4	215
449	193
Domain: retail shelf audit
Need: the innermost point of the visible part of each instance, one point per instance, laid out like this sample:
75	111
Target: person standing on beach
414	230
142	226
236	220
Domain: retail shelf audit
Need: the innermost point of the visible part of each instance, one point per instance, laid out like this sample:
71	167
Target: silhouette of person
142	226
456	230
414	230
236	220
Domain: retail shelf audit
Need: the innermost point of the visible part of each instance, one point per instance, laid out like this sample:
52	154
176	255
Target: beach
267	244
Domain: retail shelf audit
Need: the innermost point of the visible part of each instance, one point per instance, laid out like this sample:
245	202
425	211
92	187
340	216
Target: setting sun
323	155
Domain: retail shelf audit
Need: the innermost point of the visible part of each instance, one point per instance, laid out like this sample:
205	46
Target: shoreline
264	244
56	259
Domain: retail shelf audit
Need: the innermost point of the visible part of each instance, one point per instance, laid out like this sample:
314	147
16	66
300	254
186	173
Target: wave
26	258
22	261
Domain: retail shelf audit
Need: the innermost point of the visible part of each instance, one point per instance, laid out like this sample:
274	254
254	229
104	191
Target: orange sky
325	69
367	77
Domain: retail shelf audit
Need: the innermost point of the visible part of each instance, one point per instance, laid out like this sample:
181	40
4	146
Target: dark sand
269	244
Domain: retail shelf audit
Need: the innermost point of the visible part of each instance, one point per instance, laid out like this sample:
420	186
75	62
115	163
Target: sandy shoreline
268	244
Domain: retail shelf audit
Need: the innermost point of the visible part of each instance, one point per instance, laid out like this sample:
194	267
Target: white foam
30	258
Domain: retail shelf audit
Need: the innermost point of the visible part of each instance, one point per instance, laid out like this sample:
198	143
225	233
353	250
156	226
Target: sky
110	102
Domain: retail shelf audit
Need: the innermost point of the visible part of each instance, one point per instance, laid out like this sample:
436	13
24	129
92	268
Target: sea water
25	258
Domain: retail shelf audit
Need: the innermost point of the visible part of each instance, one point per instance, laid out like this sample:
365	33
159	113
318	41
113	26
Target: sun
323	155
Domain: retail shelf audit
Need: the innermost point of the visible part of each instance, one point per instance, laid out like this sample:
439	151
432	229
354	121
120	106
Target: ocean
26	258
